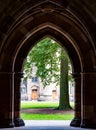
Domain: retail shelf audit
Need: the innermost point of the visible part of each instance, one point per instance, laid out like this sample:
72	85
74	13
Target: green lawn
36	105
47	116
42	105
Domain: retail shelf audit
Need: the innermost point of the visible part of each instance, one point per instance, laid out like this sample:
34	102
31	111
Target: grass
37	105
47	116
42	105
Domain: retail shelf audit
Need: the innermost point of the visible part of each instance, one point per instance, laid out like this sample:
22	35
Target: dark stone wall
70	22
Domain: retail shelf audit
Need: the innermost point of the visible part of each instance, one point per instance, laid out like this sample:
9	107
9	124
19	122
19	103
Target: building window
34	79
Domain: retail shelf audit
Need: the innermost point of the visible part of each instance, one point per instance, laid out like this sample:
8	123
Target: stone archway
35	21
76	71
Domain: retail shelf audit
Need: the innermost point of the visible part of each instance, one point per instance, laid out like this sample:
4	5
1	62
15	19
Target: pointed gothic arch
32	24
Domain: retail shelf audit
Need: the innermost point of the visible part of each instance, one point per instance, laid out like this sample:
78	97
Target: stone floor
46	125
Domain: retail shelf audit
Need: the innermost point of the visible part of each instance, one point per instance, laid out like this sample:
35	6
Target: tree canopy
46	56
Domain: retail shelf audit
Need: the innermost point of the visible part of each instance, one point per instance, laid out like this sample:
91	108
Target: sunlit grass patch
37	105
28	116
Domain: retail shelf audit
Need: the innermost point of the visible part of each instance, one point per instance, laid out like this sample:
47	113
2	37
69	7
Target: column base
91	126
19	122
75	122
6	123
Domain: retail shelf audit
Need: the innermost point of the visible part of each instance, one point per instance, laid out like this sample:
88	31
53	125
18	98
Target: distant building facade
33	89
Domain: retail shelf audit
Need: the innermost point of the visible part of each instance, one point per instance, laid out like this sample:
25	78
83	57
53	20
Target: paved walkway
47	122
46	125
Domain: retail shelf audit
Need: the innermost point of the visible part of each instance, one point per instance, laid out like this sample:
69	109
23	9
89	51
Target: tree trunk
64	91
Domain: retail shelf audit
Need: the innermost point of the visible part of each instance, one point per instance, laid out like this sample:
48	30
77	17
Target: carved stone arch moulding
37	36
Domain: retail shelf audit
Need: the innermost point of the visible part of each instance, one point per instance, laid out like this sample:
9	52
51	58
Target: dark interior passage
22	25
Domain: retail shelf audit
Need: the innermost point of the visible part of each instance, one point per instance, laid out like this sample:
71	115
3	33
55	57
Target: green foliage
46	56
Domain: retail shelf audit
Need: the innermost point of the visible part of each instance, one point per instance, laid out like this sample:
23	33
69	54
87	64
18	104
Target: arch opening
46	32
49	32
45	86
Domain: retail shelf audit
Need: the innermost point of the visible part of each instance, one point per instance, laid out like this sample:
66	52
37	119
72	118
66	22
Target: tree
48	56
64	91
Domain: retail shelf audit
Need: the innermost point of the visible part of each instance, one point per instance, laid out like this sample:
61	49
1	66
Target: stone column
17	99
77	113
6	99
88	113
